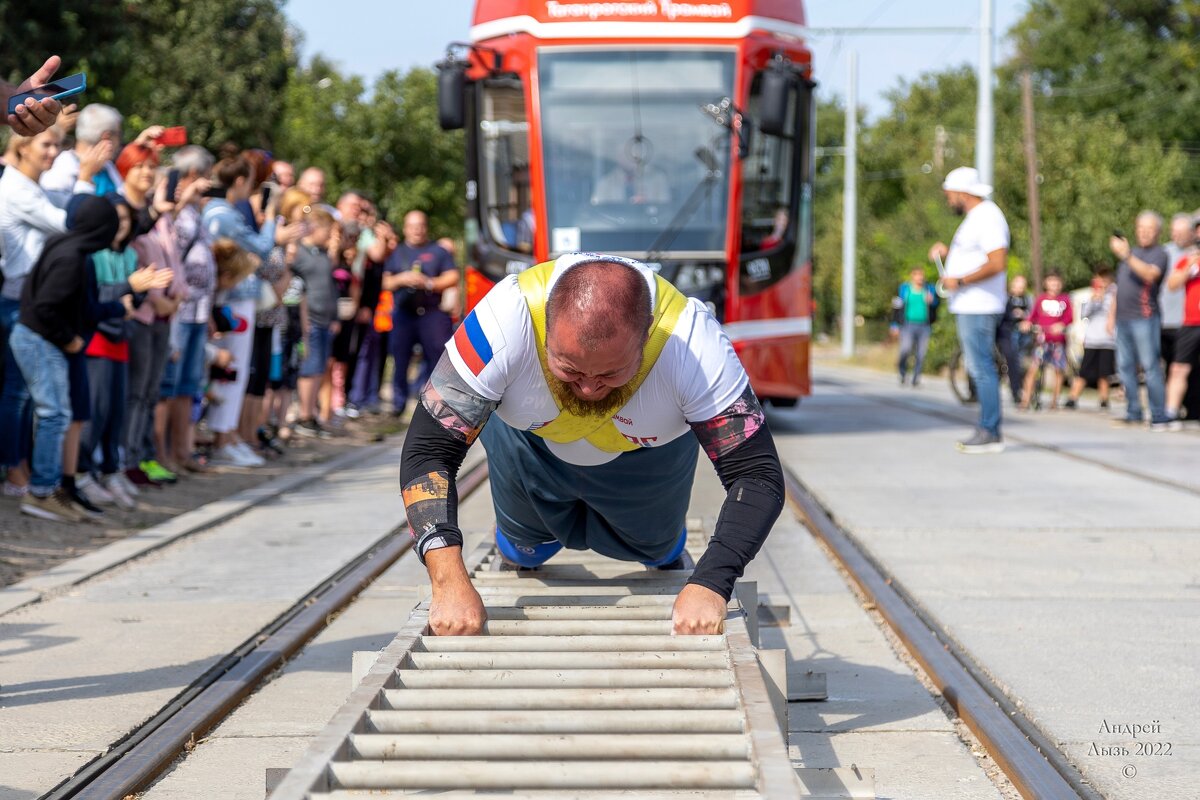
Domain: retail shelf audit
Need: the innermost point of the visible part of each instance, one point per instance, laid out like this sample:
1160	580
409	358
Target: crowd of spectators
1140	328
166	311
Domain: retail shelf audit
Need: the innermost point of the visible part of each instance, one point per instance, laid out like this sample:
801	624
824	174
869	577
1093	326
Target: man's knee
524	555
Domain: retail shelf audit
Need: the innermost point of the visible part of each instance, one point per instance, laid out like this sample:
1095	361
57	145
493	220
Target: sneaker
14	490
312	429
56	507
268	442
916	383
981	442
138	477
1103	404
351	411
1069	405
89	509
116	488
96	494
125	483
157	472
248	452
1168	425
233	456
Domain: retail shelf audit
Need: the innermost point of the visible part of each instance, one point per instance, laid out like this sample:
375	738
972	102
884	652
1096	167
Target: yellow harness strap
566	427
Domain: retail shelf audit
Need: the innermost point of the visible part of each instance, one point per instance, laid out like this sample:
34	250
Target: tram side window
504	165
767	175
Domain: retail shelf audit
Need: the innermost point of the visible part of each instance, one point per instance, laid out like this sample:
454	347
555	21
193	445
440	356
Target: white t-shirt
696	376
983	230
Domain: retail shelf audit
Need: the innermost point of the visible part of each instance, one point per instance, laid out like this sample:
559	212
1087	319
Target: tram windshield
633	162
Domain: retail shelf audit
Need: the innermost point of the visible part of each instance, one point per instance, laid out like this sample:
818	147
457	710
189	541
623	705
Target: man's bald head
312	180
600	300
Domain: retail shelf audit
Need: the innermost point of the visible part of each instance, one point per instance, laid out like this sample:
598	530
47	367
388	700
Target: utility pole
940	139
985	124
1031	183
850	211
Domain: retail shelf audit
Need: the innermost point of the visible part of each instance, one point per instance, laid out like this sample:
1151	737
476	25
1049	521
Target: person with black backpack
914	310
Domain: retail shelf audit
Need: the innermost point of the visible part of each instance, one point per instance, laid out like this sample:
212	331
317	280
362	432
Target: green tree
1135	60
217	66
388	145
87	35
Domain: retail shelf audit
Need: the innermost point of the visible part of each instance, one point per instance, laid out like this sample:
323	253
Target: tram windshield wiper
712	174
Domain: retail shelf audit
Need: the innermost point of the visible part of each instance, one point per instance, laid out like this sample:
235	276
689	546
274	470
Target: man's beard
597	409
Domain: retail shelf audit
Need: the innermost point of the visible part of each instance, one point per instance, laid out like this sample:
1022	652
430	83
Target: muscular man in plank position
596	369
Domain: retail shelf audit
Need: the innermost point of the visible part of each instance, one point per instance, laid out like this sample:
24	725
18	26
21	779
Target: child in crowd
319	317
1050	316
1099	340
113	279
51	328
345	345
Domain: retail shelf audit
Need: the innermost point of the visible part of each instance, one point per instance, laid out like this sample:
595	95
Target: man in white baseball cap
974	274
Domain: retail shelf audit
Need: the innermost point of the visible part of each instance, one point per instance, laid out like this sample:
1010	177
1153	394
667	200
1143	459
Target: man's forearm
743	452
996	263
1145	271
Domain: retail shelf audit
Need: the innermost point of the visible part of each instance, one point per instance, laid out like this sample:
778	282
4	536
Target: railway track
145	752
577	690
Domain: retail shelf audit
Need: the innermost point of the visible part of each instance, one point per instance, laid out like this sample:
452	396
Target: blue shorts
631	509
182	377
318	346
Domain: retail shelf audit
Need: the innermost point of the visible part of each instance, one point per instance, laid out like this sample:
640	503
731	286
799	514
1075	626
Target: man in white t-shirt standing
976	264
598	383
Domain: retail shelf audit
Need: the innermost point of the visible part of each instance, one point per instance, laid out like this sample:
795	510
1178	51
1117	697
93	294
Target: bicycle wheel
960	381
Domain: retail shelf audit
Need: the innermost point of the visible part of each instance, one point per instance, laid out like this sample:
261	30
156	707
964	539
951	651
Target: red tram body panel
677	133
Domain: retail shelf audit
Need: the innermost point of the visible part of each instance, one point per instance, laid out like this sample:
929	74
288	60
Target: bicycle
964	388
960	382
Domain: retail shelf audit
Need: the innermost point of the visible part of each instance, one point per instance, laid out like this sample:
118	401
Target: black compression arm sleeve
429	464
753	481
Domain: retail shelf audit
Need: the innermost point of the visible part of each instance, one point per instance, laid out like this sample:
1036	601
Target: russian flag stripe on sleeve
473	346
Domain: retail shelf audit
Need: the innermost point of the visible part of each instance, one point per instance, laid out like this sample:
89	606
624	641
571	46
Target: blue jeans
977	336
431	330
364	388
106	432
45	369
15	418
914	342
1138	346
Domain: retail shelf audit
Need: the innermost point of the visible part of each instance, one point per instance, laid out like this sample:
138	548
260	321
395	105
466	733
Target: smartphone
172	184
1117	233
59	89
216	190
173	137
265	190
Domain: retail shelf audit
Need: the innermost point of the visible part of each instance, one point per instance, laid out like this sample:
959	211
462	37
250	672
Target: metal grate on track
577	690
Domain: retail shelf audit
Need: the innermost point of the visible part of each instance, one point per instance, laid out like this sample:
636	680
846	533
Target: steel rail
1034	765
135	761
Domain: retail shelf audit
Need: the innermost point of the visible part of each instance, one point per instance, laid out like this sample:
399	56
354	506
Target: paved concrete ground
878	715
78	671
1071	572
